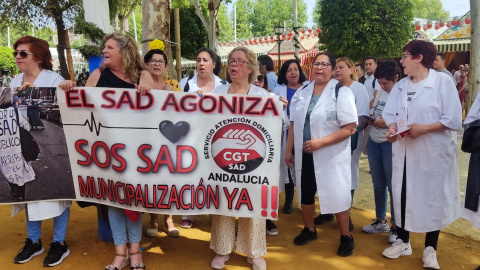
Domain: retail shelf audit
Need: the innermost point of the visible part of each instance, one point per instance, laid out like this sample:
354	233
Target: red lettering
170	101
192	151
230	196
143	157
123	163
244	199
78	147
164	158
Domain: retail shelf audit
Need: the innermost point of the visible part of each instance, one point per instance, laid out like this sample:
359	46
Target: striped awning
455	45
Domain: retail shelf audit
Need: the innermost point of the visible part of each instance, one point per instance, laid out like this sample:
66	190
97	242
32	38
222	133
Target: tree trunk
211	25
474	70
156	24
61	47
71	71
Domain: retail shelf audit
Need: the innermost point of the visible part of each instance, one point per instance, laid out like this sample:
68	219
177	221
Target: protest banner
51	178
174	152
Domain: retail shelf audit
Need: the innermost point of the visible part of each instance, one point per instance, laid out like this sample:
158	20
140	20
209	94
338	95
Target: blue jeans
34	228
121	225
380	161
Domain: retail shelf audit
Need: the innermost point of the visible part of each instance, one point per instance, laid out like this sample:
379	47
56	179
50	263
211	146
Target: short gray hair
6	95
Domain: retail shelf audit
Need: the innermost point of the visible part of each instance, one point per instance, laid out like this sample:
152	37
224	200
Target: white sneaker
392	236
376	227
398	249
430	258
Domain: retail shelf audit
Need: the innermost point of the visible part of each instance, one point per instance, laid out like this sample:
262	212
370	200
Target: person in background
290	78
122	67
423	115
380	153
267	63
360	70
345	73
33	59
250	239
321	124
439	65
370	81
456	74
156	61
208	65
206	78
462	87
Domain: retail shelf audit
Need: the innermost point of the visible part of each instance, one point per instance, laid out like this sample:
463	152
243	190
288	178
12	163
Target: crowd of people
407	127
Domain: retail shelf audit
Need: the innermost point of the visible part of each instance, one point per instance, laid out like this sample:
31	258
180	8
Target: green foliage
317	10
362	28
254	17
225	25
7	61
88	29
90	50
193	35
431	9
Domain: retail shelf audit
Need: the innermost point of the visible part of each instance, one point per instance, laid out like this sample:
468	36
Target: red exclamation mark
274	201
264	200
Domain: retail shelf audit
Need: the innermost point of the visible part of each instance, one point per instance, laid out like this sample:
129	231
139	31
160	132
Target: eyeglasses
260	77
404	56
321	64
156	62
238	62
23	54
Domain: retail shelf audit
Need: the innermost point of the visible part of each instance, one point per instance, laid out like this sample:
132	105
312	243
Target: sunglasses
23	54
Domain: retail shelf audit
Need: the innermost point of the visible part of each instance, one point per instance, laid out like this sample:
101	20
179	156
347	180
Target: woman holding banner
323	116
122	67
33	58
251	239
156	61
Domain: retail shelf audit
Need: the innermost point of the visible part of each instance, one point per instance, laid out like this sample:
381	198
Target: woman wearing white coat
425	185
290	79
320	129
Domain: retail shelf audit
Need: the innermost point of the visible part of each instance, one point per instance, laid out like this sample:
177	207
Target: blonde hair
6	95
350	65
251	60
132	64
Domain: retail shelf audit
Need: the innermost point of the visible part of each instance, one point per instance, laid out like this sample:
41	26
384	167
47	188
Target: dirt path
457	248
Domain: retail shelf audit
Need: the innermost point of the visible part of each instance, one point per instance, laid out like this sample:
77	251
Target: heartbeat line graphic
92	125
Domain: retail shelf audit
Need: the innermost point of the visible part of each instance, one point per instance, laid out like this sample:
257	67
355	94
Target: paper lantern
289	38
290	34
318	30
303	31
310	30
425	28
449	24
417	25
442	22
437	25
315	34
467	20
271	37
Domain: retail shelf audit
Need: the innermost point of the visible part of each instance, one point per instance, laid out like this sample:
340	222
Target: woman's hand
67	85
313	145
142	89
199	92
284	100
390	137
25	85
380	123
289	158
168	87
416	130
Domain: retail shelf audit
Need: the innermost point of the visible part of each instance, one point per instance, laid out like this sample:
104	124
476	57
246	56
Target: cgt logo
238	148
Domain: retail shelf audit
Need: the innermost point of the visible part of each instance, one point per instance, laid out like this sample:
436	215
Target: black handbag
471	137
29	145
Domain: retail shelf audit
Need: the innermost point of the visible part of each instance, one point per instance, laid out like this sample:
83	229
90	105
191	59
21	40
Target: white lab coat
432	191
43	209
331	163
192	83
473	217
281	90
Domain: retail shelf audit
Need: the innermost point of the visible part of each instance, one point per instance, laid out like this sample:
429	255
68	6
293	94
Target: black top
108	79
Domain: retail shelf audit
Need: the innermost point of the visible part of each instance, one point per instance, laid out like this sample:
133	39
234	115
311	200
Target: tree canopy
254	17
362	28
431	9
7	61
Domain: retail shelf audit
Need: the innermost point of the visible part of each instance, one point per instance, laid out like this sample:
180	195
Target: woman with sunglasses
33	58
321	123
251	239
156	61
290	79
423	114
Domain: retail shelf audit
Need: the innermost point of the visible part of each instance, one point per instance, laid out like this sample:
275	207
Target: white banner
173	152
